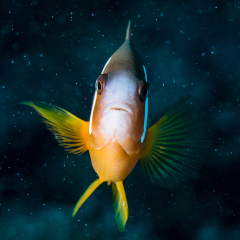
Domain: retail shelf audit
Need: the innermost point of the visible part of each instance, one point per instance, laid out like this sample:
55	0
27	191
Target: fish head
120	104
119	111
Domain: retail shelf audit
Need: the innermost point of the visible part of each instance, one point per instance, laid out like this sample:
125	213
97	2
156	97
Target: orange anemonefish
117	135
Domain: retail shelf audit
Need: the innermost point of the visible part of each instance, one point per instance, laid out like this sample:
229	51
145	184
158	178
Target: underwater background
53	51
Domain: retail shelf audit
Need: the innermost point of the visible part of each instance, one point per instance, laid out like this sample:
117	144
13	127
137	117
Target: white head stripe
145	121
92	110
146	111
144	69
94	101
106	64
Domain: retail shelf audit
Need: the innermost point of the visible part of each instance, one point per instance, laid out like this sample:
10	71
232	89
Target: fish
117	135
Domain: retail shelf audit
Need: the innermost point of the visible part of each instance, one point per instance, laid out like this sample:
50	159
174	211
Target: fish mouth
119	107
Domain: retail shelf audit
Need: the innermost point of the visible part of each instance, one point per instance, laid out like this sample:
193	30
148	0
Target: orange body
112	163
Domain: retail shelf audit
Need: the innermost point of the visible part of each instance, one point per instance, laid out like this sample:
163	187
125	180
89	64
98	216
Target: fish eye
101	83
143	90
144	93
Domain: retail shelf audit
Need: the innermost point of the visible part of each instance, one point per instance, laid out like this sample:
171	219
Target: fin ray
177	144
70	131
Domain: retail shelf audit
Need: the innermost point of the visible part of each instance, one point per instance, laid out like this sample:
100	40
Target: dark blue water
53	52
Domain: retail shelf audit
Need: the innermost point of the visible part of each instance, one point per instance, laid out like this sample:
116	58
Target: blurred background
53	51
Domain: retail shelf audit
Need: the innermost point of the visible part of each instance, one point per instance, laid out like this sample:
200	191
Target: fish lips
118	108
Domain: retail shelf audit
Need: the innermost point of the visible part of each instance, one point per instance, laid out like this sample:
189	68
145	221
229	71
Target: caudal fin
119	202
86	194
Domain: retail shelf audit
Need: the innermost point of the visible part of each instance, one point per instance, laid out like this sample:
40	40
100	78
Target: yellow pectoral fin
177	144
86	194
120	205
70	131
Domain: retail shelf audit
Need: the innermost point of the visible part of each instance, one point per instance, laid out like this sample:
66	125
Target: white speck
203	54
3	87
215	150
12	61
41	55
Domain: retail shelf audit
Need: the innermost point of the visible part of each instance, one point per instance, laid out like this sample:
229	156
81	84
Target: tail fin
86	194
120	205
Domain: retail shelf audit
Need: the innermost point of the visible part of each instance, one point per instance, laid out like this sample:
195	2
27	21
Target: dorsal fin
128	32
